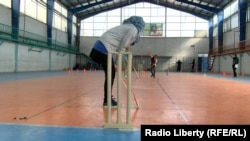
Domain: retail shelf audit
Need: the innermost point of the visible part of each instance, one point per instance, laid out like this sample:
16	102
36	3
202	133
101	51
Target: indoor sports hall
51	89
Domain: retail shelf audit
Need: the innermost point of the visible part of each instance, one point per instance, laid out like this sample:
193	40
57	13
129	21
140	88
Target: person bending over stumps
116	39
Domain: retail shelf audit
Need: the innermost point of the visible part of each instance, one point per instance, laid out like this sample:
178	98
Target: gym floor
61	105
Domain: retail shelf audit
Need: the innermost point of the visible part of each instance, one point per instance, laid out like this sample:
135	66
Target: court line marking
62	103
172	101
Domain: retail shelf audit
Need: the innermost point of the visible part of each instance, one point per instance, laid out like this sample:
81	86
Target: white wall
30	59
5	15
248	31
17	57
7	57
244	66
29	24
59	36
174	48
177	47
224	63
62	60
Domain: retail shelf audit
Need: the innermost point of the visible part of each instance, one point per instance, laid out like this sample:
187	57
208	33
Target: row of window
174	33
170	19
167	26
171	23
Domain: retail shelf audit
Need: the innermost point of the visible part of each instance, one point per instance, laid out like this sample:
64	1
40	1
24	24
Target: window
231	16
186	24
60	17
234	21
75	24
215	20
169	22
6	3
248	13
34	9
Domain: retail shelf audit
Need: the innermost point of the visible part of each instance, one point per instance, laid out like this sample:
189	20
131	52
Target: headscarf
138	22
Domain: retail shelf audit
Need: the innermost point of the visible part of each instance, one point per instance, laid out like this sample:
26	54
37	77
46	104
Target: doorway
202	62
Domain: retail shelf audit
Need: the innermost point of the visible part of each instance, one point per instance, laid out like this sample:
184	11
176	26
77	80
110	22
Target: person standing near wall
179	65
192	65
235	65
116	39
154	61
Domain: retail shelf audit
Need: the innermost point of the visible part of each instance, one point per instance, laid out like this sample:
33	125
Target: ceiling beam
111	7
157	2
224	3
68	5
208	8
79	9
176	8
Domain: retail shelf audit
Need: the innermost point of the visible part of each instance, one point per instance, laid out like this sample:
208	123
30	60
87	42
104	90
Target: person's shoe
113	103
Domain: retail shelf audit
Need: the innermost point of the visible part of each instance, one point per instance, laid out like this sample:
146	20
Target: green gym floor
67	106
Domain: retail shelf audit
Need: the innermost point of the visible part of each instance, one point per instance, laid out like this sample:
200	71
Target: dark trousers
192	68
178	68
102	59
152	69
234	70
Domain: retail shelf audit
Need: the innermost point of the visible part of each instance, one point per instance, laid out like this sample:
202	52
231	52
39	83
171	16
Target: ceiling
204	9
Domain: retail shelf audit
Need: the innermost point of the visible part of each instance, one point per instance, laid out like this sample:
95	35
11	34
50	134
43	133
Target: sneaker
113	103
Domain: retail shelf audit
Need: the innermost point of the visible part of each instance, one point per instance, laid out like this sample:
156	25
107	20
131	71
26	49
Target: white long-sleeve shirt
119	37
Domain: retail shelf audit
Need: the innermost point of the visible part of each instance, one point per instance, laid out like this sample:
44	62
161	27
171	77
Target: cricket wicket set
119	123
